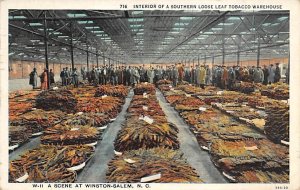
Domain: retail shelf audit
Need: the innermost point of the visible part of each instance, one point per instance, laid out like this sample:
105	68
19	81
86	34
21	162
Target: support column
46	47
87	58
238	57
97	58
72	50
103	59
239	49
258	53
223	51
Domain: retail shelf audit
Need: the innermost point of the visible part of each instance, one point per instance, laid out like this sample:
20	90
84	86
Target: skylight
16	17
178	29
216	29
135	19
174	32
266	24
92	27
275	24
85	22
135	25
103	35
282	18
35	24
136	12
226	24
76	15
187	18
56	33
137	30
235	18
98	31
180	24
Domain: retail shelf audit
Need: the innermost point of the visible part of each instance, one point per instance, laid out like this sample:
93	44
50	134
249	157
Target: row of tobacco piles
246	135
147	146
70	122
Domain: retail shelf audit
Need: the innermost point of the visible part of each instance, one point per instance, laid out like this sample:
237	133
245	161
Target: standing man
266	75
258	75
51	75
75	77
67	75
231	78
202	75
208	75
33	78
193	75
83	73
187	74
44	80
224	77
271	74
128	73
70	79
197	75
277	75
175	75
180	72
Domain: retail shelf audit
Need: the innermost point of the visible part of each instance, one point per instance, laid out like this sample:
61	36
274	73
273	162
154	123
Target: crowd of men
69	77
224	77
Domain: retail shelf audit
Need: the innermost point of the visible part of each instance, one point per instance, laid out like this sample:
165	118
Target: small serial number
281	187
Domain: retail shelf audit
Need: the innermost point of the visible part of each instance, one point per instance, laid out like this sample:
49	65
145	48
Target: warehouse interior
176	122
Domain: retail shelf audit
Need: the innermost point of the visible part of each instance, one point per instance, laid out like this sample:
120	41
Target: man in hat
180	72
51	76
208	75
44	80
33	78
75	77
271	74
224	78
175	75
266	75
202	75
258	75
231	77
277	75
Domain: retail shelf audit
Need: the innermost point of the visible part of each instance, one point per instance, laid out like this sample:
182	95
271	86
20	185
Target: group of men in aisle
69	77
33	79
202	75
